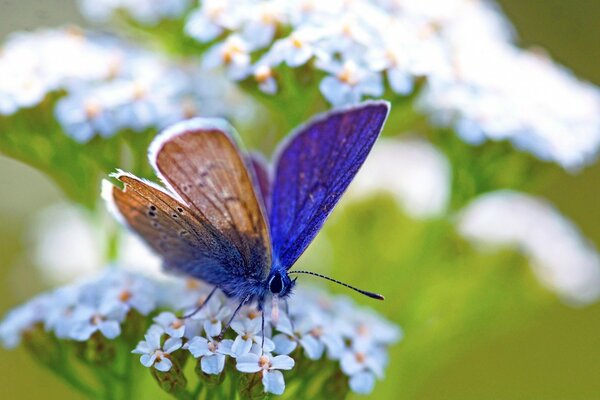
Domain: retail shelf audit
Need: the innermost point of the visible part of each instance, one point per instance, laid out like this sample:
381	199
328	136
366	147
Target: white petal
110	329
283	344
273	382
147	360
362	382
212	329
349	364
198	346
225	347
313	347
82	332
241	346
163	365
172	344
213	364
248	363
282	362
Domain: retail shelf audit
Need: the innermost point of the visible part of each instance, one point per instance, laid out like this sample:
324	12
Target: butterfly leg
239	307
262	321
201	305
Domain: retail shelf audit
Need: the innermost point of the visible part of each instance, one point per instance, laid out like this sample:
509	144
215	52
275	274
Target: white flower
362	363
212	352
562	259
304	332
362	382
233	54
349	83
22	319
171	325
155	355
261	20
211	19
106	318
263	74
249	331
214	313
268	365
413	171
296	49
148	12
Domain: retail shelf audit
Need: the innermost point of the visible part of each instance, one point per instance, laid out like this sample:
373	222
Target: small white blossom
22	319
106	319
214	314
148	12
233	54
249	332
269	367
211	19
153	353
212	352
304	332
170	324
263	74
349	82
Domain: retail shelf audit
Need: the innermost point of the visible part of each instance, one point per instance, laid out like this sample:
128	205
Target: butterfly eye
276	284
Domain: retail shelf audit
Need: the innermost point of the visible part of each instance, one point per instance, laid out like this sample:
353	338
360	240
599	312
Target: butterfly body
224	217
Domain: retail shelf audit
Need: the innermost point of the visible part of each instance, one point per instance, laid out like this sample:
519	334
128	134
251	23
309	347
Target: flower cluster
78	311
312	326
561	258
110	85
476	79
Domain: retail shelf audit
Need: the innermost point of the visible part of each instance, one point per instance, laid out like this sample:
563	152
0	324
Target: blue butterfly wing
312	171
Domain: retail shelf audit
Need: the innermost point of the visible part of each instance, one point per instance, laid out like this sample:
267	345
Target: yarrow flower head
315	326
110	85
364	47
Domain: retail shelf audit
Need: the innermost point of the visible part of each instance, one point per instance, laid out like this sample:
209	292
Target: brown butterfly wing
201	163
186	243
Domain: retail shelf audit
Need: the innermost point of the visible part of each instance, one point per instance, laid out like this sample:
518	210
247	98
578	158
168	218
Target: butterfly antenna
368	294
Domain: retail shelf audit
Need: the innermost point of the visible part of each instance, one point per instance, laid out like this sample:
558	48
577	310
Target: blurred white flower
68	243
477	80
303	332
148	12
105	318
349	82
413	171
562	259
23	318
521	97
233	54
111	85
211	20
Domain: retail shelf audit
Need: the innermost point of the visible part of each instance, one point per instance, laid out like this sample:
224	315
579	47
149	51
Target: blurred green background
554	355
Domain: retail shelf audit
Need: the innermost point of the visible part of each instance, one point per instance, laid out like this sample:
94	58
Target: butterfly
226	217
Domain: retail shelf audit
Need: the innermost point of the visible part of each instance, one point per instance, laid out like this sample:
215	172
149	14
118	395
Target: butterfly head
280	284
